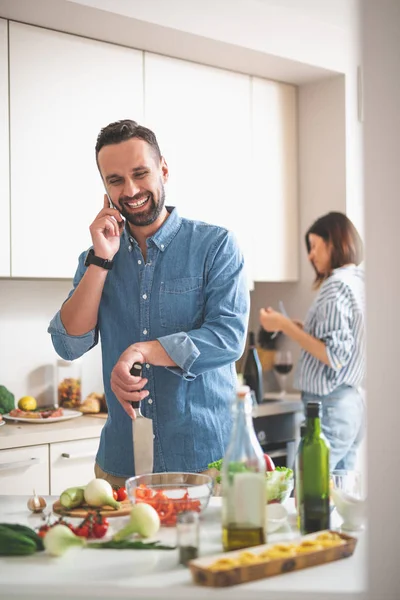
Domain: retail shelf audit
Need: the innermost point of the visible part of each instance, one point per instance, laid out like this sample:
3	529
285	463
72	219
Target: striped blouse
337	317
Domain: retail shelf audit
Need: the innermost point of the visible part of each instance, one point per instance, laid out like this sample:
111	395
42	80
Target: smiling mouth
135	204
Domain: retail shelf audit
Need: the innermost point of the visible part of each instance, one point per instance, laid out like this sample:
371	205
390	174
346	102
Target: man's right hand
106	230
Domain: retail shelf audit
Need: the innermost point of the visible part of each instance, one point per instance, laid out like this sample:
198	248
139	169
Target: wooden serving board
82	511
202	574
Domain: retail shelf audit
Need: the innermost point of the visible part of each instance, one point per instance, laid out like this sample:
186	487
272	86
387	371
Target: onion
59	538
99	493
144	520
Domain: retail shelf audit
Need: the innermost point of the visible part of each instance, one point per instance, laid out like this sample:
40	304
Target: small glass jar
187	525
68	383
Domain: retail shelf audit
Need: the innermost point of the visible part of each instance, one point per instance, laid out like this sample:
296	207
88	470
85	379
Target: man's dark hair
121	131
347	247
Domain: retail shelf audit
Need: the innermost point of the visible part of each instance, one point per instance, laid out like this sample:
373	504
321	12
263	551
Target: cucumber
13	543
72	497
27	532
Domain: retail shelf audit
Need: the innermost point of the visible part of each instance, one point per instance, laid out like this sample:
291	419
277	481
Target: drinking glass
283	364
346	494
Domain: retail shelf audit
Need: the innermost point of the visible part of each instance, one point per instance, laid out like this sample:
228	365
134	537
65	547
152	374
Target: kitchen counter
274	404
17	435
88	574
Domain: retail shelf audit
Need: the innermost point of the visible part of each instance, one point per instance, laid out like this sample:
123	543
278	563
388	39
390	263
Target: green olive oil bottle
313	474
244	493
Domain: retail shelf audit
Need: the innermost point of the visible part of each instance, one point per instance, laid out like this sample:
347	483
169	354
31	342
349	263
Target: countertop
87	574
17	435
275	404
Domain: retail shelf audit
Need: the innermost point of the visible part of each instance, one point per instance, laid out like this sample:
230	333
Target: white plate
2	423
68	414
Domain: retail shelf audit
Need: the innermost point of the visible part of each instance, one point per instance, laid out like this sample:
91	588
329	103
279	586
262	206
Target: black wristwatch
92	259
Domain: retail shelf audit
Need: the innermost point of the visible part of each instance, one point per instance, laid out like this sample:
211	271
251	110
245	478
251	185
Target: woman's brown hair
346	244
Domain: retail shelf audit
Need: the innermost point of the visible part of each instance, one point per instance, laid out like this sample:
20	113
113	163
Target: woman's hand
299	323
272	320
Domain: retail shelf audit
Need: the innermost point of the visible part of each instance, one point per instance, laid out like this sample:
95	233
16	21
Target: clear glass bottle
68	383
252	371
313	474
244	494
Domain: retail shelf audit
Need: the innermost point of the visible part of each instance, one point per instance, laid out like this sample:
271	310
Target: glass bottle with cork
244	499
312	481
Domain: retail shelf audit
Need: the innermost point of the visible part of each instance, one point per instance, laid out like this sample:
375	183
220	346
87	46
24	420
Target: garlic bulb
36	503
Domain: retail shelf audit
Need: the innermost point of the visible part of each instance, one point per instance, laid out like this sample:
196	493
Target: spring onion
59	539
143	520
99	493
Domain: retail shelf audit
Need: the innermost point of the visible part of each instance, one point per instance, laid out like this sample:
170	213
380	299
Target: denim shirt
191	294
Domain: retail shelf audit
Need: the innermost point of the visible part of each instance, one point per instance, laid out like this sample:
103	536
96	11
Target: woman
332	362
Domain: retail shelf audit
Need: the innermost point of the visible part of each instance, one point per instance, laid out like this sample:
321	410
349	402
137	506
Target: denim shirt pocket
181	303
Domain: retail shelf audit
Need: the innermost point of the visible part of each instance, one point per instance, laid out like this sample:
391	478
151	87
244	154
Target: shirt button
154	437
139	262
145	331
130	248
147	366
144	296
162	246
150	401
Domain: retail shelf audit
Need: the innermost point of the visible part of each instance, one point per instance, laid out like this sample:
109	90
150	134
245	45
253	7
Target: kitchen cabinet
201	116
275	223
4	154
63	90
23	470
72	464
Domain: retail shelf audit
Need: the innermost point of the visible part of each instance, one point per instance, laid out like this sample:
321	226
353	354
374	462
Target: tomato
99	529
115	494
269	463
82	531
122	495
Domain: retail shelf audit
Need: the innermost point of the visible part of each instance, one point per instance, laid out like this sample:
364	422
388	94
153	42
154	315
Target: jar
68	383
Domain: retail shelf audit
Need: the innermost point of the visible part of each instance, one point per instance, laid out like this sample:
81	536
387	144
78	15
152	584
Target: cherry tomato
100	530
82	531
115	494
122	495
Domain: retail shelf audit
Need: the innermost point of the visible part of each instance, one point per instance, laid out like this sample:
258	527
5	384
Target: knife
142	433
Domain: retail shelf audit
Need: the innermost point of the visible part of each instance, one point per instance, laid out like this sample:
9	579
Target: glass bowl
279	486
171	493
346	493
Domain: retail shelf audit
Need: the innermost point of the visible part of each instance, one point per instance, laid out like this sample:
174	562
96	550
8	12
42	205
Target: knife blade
142	434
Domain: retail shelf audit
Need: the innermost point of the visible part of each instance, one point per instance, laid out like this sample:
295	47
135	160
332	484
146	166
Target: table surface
156	574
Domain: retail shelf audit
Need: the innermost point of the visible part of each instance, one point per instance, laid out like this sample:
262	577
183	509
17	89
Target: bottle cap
313	409
242	391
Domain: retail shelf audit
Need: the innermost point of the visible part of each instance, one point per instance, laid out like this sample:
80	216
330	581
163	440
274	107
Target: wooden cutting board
82	511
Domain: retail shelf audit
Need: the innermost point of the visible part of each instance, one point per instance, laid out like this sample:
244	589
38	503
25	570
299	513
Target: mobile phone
112	205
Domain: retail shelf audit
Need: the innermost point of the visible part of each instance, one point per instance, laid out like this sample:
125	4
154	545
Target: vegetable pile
167	508
18	540
279	480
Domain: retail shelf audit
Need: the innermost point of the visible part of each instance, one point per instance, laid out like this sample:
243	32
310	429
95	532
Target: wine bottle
244	493
252	371
313	474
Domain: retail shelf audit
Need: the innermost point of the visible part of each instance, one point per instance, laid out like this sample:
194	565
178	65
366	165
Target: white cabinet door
201	117
274	174
72	464
63	90
23	470
4	155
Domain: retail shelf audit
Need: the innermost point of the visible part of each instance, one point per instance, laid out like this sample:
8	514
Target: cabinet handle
76	456
19	464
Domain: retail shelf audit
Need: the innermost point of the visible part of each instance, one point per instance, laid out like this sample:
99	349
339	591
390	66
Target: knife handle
136	371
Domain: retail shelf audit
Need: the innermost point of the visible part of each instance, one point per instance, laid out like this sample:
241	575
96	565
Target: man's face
134	179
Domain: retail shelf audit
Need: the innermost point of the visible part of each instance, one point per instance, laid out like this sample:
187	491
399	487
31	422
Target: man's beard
151	210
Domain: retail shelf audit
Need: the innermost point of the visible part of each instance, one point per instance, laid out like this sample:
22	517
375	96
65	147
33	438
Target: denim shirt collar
164	235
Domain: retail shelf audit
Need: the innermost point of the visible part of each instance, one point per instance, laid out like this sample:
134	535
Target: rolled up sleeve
68	346
221	338
333	328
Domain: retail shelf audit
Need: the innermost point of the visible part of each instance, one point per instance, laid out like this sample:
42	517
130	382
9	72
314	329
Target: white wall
27	357
322	187
381	58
